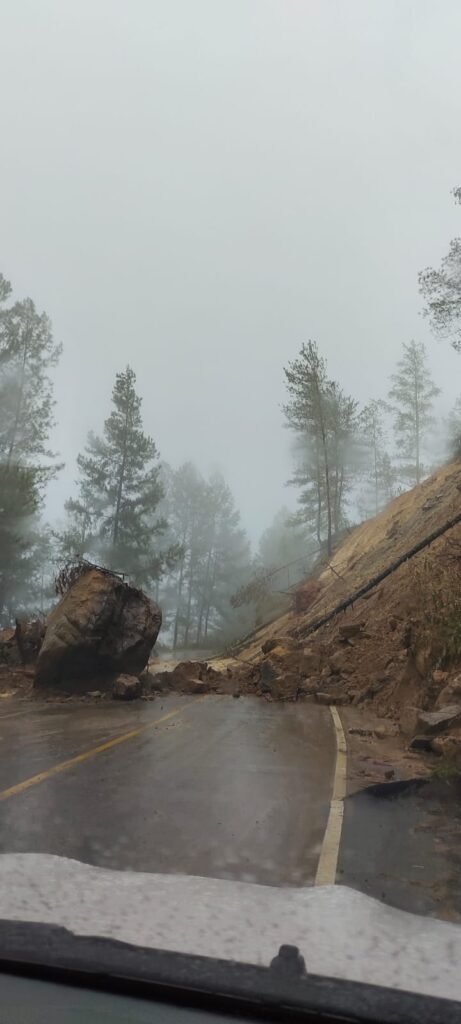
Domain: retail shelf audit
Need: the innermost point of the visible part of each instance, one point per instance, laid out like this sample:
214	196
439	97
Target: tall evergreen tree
379	473
412	394
119	490
214	553
27	354
19	503
323	419
441	290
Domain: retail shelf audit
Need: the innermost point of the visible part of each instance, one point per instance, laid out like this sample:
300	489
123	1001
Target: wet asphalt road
219	787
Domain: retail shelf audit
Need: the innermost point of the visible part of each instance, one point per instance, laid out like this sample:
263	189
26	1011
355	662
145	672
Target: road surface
207	786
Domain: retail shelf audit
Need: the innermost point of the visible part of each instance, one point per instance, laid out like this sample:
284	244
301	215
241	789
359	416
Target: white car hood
340	932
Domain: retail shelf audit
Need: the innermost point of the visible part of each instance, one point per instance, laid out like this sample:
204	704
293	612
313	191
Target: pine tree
27	354
120	490
379	474
214	552
412	394
323	420
442	291
19	503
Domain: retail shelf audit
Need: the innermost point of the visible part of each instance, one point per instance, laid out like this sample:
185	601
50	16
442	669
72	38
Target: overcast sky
199	186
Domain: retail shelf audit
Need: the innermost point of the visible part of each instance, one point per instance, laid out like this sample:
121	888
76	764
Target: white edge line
328	860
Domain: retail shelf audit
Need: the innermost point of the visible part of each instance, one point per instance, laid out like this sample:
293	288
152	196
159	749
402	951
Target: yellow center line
328	860
62	766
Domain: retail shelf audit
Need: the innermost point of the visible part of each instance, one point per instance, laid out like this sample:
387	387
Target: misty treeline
350	461
174	532
169	530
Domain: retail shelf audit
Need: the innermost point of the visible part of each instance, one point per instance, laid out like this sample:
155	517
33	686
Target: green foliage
214	558
379	474
19	502
442	291
412	394
324	421
115	516
27	354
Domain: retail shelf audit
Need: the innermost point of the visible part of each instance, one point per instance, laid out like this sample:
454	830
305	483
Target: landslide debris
398	648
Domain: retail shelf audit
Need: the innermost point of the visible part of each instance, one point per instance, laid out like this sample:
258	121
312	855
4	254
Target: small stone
432	722
94	693
439	677
423	743
351	629
236	695
389	774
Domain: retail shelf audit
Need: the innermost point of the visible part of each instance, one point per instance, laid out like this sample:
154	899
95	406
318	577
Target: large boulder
101	627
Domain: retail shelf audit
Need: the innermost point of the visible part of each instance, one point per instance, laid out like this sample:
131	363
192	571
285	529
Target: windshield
230	441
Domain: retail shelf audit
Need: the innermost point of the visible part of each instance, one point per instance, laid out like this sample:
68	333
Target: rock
409	720
236	695
447	746
389	773
29	638
94	693
393	624
423	659
196	686
336	662
423	743
360	732
433	722
101	626
268	672
380	732
9	653
126	688
309	662
160	682
351	629
439	677
451	693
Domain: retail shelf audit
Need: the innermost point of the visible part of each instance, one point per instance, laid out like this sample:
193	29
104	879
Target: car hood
340	932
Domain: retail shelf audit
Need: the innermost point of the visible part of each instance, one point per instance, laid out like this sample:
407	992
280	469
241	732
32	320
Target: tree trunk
178	605
208	609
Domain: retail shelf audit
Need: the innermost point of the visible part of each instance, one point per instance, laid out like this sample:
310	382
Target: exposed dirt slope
401	645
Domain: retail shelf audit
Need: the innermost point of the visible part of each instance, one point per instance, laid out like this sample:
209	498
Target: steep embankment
399	647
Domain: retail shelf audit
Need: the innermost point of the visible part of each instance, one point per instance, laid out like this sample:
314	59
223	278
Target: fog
199	187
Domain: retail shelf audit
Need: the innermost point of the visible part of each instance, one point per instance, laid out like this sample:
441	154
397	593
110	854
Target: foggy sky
199	186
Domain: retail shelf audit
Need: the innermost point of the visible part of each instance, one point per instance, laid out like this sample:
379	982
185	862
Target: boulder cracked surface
101	627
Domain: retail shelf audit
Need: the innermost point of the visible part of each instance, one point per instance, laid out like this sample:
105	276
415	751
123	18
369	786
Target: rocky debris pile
20	645
199	677
101	628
